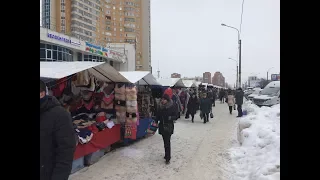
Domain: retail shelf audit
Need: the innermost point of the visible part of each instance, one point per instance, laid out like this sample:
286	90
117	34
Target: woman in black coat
193	106
166	115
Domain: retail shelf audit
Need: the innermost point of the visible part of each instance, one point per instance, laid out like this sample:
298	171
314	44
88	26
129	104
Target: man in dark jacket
192	107
166	115
205	107
57	138
239	101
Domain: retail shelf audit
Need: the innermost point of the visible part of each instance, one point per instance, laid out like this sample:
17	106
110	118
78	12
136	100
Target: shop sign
97	49
63	39
275	77
117	56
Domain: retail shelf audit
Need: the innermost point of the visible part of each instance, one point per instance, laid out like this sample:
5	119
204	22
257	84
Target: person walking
214	94
176	100
165	117
239	101
205	107
192	107
231	101
221	96
57	138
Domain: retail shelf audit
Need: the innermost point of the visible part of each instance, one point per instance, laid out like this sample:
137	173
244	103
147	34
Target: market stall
171	82
86	90
145	100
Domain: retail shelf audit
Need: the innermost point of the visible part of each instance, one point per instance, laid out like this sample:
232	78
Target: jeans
239	110
167	146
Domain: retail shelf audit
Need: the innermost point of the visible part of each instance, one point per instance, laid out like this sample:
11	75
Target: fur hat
166	97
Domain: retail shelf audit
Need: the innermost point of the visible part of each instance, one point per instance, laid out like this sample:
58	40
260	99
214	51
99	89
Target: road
199	151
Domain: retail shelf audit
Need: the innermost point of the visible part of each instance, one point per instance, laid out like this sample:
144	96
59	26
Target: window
114	29
49	54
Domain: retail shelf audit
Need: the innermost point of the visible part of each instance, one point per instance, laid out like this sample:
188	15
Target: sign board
275	77
63	39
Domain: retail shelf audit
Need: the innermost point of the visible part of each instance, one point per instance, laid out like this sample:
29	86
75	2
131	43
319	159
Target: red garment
169	92
58	89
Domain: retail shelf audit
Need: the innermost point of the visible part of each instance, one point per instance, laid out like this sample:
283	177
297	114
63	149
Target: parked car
256	91
269	96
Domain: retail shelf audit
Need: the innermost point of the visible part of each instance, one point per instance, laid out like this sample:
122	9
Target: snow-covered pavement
199	151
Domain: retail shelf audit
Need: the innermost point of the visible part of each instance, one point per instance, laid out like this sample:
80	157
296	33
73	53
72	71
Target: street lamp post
239	42
268	73
237	81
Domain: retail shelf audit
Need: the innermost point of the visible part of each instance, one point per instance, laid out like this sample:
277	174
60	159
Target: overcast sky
187	37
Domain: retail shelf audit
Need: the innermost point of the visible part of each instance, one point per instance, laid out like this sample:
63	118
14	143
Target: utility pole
158	74
237	83
239	61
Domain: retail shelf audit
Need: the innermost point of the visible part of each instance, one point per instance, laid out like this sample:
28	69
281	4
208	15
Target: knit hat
169	92
166	97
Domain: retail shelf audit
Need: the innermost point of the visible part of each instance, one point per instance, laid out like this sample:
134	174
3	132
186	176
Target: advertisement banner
275	77
105	52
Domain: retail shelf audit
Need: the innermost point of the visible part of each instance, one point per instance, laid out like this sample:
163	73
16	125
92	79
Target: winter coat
57	141
205	105
239	97
176	100
193	105
166	115
231	100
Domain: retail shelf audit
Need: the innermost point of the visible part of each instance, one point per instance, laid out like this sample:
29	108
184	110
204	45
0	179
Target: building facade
218	79
60	47
207	77
102	22
175	75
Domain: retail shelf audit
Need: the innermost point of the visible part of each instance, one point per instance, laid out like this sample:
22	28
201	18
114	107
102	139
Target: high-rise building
207	77
175	75
218	79
102	22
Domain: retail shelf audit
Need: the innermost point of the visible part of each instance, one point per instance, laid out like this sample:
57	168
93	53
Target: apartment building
218	79
175	75
206	77
102	22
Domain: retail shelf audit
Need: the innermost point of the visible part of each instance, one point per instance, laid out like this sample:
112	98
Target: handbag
211	115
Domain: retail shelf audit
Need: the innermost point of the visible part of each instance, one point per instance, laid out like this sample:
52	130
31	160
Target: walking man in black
239	101
57	138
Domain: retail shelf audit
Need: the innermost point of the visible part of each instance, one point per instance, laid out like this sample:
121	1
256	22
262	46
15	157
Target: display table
99	141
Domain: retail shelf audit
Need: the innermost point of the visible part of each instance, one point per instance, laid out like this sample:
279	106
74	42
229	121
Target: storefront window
50	52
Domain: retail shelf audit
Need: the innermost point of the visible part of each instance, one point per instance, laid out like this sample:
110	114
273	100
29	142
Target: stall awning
101	70
169	82
140	77
189	83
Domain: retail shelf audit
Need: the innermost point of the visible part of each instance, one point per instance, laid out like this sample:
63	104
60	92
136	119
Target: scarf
167	105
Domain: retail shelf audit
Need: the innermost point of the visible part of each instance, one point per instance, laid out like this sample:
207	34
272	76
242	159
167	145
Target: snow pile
258	157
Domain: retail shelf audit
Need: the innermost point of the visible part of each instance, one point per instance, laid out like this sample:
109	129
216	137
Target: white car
255	93
269	96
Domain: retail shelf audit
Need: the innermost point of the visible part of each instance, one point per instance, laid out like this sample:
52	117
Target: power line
241	15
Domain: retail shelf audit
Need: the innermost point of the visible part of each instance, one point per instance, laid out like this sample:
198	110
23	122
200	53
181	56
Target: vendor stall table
99	141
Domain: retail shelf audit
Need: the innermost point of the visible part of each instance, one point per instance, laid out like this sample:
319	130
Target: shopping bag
153	127
211	115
